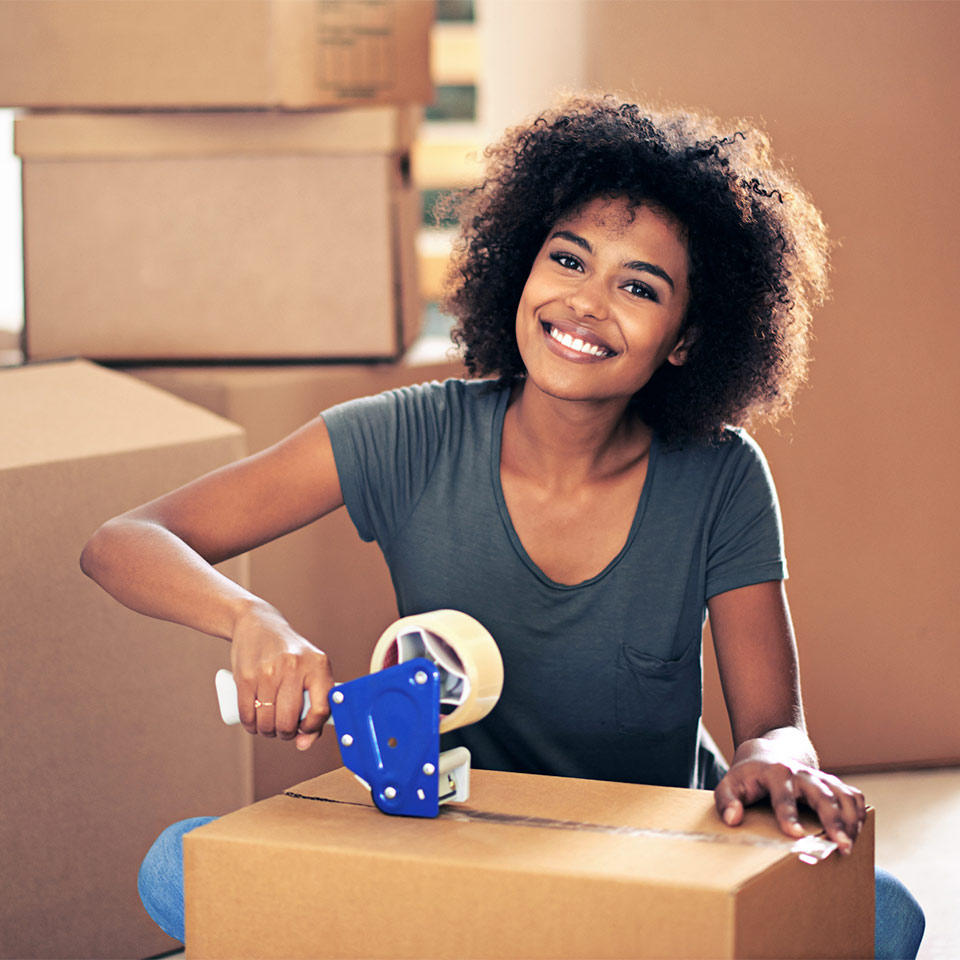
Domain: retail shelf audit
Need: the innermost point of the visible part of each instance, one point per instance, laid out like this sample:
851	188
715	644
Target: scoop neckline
499	415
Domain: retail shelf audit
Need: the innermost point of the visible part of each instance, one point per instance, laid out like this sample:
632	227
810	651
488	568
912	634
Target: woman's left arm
757	659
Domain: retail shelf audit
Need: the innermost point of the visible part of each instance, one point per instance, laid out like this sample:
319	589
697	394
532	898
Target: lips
578	339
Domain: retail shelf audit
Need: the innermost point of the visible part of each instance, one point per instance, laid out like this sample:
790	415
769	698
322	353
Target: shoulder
452	394
732	446
417	414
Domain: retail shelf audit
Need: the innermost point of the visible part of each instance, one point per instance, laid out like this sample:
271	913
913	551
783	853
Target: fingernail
729	815
844	842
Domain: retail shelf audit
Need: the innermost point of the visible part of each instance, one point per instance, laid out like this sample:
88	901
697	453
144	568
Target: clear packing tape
811	849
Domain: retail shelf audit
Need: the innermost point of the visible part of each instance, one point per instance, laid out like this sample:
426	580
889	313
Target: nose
588	297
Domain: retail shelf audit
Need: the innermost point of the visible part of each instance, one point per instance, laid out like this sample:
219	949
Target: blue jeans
898	928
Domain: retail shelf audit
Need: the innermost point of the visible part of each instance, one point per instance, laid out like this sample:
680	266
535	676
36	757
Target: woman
640	287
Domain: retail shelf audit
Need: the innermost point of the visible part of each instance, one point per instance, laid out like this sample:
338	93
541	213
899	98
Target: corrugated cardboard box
128	54
219	236
112	729
331	586
529	867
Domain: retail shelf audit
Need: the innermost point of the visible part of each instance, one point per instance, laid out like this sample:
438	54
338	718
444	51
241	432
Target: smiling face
604	302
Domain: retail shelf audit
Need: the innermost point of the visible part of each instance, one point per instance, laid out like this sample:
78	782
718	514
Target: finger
306	740
246	693
783	799
849	809
728	801
824	802
266	708
288	706
318	685
853	806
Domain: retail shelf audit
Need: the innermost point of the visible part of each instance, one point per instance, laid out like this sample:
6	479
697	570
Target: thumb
306	740
729	804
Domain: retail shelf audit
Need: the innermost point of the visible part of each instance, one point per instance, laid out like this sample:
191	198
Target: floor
918	840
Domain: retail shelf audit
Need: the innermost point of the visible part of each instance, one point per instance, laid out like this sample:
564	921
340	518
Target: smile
578	344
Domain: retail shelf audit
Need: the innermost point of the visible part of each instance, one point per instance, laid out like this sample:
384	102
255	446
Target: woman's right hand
273	664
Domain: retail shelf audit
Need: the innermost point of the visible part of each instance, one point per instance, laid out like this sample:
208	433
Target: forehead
628	231
619	217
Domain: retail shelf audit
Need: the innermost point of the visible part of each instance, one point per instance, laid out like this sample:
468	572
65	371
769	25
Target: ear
678	355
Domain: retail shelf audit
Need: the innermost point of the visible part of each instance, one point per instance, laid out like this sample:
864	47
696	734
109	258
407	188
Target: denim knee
899	923
160	881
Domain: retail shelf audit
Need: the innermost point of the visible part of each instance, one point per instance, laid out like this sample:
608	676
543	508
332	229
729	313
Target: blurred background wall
860	99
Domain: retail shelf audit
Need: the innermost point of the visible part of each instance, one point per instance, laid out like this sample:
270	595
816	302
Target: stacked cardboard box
177	229
158	236
219	180
112	730
220	54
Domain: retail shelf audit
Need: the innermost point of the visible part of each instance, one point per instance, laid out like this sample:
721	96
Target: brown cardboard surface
866	470
110	136
332	587
127	54
113	730
624	870
214	248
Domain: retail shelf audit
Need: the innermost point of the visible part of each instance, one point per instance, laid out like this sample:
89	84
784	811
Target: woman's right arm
158	559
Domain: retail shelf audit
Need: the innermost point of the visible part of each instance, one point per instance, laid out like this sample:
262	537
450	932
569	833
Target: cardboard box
113	730
219	236
332	587
160	54
529	867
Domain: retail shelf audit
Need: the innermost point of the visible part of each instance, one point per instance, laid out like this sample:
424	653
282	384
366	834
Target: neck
568	442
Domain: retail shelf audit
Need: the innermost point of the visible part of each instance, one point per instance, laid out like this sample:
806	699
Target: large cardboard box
529	867
219	235
127	54
112	730
332	587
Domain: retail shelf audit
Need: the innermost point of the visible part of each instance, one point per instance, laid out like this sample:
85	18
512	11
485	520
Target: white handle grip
227	698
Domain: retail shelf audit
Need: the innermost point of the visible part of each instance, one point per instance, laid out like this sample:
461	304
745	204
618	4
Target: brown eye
641	290
567	260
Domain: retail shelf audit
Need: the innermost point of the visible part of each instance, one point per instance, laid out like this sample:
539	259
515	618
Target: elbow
96	551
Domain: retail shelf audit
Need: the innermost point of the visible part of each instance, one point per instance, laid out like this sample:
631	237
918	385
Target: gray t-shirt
602	679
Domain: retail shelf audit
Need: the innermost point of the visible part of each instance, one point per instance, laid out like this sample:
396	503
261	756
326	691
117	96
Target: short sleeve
746	533
384	447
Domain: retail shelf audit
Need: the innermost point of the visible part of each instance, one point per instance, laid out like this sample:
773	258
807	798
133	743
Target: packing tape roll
471	670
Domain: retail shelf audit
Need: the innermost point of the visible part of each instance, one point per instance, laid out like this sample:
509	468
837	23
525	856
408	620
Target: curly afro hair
758	251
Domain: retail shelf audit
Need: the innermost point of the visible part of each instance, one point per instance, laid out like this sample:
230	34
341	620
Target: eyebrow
639	265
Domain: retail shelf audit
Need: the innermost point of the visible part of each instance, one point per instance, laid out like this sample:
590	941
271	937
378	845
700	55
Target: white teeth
581	346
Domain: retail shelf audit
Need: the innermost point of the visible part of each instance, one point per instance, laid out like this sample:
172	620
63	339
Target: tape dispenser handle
227	698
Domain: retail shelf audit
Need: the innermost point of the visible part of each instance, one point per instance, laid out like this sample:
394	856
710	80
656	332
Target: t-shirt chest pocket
654	697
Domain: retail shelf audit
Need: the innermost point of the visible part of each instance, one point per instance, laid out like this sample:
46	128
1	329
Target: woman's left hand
840	807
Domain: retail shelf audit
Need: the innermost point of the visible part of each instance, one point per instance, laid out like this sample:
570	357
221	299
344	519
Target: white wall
531	50
11	253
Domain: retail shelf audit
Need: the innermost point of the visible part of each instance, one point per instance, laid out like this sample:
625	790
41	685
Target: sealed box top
74	409
541	824
530	866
